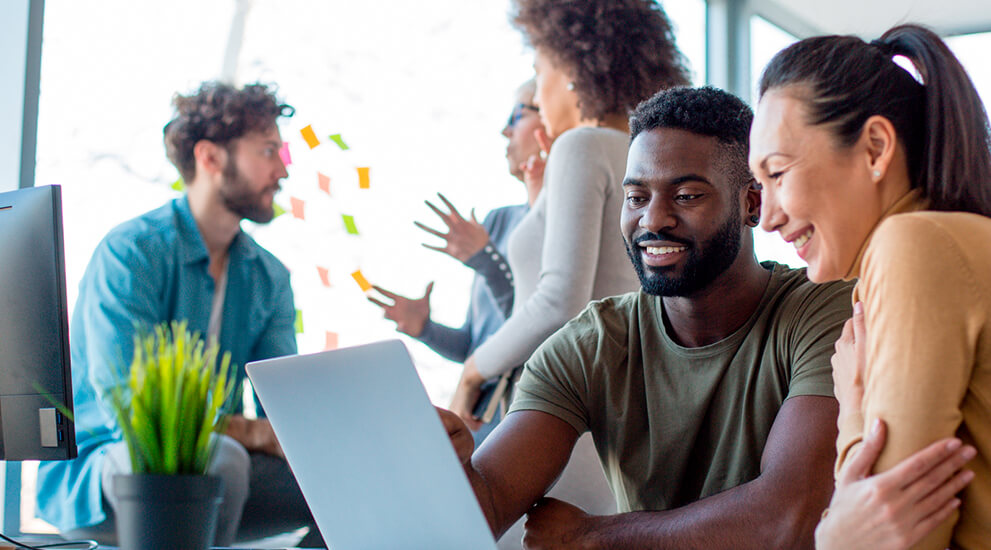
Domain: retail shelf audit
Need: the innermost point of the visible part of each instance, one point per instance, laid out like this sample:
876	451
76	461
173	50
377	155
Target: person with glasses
482	247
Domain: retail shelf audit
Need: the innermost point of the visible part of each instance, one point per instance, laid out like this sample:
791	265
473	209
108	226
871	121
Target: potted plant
169	405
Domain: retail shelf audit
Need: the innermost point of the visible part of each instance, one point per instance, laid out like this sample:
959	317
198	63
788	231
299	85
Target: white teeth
659	250
800	242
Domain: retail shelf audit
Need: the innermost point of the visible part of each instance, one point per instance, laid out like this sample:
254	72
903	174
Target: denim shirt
151	269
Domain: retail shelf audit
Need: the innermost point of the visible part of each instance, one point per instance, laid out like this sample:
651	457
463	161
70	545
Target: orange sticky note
363	180
297	208
362	281
324	182
309	136
331	341
324	275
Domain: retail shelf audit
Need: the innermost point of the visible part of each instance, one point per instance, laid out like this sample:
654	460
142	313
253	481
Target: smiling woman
875	175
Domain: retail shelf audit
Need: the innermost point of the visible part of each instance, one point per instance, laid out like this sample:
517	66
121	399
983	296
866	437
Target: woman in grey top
595	61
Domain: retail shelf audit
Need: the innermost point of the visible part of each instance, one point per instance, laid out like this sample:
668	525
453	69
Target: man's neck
217	225
718	310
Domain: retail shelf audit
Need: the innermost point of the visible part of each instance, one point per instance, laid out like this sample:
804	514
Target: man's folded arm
779	509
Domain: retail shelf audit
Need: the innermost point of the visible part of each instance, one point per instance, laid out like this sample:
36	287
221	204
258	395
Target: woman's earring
876	174
571	86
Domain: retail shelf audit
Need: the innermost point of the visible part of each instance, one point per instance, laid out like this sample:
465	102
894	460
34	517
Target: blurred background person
482	247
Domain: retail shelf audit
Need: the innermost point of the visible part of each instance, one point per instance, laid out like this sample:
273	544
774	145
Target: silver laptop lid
369	452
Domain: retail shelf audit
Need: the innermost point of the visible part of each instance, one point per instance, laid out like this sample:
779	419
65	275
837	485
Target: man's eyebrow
689	177
633	182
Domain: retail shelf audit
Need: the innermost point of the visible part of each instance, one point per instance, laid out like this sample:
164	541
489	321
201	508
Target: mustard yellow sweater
925	282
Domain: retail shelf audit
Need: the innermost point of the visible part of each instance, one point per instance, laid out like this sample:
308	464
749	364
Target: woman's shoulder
584	138
930	241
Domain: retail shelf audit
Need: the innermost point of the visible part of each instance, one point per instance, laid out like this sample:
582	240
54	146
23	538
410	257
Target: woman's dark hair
619	51
941	122
219	113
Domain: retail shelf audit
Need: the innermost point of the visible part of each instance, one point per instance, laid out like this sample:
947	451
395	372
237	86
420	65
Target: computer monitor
35	377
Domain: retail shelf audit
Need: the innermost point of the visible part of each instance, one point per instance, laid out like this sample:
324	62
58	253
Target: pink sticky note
297	207
324	275
331	341
284	153
324	182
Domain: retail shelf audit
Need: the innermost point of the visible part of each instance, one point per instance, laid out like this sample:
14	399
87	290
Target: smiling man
708	393
188	261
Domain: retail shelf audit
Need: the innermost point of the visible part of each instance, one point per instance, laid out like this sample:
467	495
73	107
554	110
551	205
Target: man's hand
254	435
895	509
410	315
464	237
849	362
554	524
467	393
464	443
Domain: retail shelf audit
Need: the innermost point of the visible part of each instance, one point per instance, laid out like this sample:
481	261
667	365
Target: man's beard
240	199
701	266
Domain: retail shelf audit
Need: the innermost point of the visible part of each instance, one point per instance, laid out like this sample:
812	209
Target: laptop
368	450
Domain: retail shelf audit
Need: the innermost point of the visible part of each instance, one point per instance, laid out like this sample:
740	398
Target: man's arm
516	465
778	510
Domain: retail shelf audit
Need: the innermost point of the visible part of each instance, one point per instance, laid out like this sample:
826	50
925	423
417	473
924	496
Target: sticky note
362	281
349	224
330	341
324	275
299	322
297	208
336	138
324	182
177	185
363	181
309	137
284	153
278	210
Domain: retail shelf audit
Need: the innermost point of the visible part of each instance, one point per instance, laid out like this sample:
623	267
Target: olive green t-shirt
673	424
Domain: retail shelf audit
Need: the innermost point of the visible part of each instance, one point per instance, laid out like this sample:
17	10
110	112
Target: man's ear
751	203
210	158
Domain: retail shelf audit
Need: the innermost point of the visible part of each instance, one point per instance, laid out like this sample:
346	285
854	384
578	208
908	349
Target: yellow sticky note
362	281
278	210
299	322
363	181
177	185
309	136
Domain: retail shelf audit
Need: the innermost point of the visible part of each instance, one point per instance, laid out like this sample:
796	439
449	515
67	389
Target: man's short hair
219	113
706	111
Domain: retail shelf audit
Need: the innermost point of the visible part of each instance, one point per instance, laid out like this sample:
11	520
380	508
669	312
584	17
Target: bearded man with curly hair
189	261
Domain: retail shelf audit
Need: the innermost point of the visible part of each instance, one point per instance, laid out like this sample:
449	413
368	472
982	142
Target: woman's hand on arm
895	509
848	365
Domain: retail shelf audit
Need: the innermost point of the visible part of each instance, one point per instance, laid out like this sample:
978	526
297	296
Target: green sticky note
177	185
349	224
278	210
336	138
299	322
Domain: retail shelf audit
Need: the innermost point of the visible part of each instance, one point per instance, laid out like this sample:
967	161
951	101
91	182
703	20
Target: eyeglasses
518	112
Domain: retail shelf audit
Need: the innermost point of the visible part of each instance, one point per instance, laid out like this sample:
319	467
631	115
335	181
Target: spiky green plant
171	400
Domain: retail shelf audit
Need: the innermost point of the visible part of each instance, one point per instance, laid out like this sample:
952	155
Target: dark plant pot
166	512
